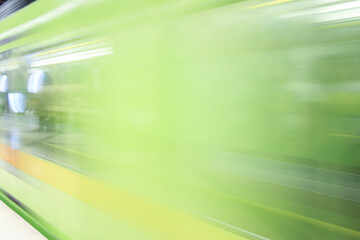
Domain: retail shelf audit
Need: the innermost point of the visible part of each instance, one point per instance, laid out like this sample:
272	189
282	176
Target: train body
182	119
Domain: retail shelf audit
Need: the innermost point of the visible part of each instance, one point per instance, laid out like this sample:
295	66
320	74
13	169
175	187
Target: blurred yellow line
317	222
70	150
158	220
69	47
266	4
343	135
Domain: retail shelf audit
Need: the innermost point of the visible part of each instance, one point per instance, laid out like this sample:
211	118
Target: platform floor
14	227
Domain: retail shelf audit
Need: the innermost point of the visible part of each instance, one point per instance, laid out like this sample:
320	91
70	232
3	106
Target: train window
3	83
17	102
35	81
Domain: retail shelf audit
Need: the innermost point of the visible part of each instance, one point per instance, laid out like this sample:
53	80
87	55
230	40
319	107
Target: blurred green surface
191	118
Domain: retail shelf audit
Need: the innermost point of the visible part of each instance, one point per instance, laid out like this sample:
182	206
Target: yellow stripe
343	135
71	150
146	215
69	47
269	4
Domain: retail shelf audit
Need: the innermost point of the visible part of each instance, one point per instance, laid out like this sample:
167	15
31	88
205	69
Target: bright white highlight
3	83
17	102
340	15
73	57
35	81
340	7
335	12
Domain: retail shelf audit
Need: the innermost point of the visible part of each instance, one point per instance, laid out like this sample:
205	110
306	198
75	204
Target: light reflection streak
336	12
51	15
73	57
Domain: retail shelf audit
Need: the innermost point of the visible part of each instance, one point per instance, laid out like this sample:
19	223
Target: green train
182	119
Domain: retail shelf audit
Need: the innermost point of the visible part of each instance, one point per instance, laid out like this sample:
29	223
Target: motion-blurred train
183	119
